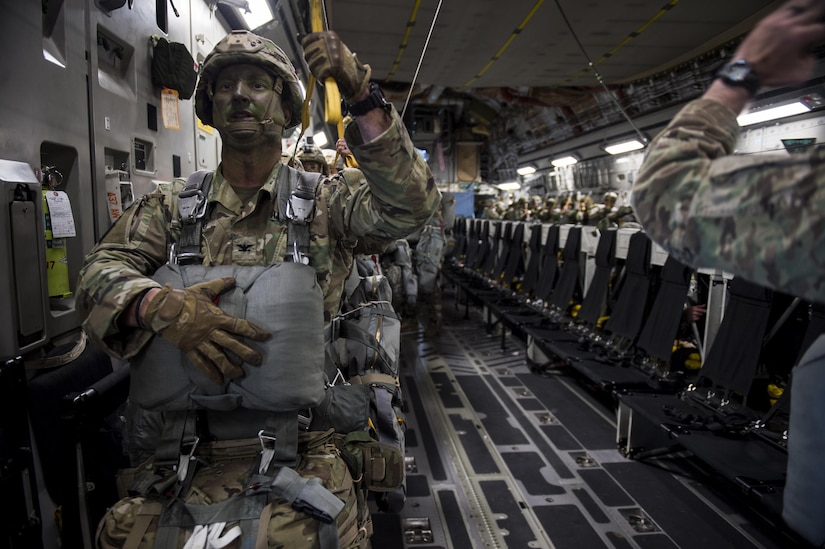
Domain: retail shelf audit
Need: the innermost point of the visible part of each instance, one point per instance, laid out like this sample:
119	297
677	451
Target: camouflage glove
327	56
190	320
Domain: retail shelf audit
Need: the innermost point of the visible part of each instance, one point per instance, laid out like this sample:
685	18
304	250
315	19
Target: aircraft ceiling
517	74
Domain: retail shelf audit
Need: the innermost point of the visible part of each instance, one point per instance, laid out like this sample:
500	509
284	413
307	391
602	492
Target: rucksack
428	255
396	262
173	67
363	360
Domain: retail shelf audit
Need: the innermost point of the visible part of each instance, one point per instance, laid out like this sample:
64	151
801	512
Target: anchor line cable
598	75
421	59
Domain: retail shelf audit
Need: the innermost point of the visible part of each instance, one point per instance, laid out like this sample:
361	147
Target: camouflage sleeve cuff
402	191
718	119
102	327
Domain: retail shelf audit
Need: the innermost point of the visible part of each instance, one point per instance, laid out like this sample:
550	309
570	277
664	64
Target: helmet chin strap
260	126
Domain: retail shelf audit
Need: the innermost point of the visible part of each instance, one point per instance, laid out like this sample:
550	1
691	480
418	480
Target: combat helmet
310	153
242	46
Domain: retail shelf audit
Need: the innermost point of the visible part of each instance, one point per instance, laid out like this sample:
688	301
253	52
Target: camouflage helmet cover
245	47
312	153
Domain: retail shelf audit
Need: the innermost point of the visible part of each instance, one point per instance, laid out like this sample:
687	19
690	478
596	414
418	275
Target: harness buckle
300	210
186	457
267	450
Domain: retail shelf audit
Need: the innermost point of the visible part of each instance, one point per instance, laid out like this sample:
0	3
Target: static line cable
630	37
598	75
324	13
421	59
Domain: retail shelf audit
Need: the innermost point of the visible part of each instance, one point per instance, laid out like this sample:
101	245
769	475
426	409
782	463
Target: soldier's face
243	98
312	167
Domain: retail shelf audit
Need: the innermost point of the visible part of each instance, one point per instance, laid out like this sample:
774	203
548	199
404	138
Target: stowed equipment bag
230	502
363	401
428	255
173	67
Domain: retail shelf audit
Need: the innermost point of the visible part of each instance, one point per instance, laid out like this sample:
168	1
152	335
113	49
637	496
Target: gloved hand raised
327	56
190	320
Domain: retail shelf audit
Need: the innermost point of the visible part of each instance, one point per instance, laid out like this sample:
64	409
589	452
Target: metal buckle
185	458
267	453
198	205
300	210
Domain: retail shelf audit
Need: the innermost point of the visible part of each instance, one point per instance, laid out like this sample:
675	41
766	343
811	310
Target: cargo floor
498	456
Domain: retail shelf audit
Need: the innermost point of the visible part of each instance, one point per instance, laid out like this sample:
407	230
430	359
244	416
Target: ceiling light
320	139
624	146
563	161
526	170
256	13
509	186
773	113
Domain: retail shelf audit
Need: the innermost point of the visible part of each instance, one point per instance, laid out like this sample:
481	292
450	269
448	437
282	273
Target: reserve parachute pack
287	487
363	399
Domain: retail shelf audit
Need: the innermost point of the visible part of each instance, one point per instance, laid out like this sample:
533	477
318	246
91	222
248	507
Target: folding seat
567	287
79	437
711	417
539	280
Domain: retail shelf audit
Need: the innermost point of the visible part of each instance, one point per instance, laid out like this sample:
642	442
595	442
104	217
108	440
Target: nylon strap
296	207
145	515
192	208
309	496
279	441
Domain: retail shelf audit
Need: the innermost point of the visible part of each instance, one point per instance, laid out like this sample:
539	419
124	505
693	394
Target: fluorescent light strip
510	186
320	139
773	113
260	14
624	146
564	161
526	170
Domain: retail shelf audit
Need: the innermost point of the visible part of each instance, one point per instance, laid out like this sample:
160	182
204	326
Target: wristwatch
375	100
739	73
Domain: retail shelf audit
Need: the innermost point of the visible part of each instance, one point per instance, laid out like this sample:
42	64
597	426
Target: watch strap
375	100
739	73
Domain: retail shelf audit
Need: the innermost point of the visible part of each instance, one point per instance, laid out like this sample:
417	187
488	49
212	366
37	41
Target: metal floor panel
500	457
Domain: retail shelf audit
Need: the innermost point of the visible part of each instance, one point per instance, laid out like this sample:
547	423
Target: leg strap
309	496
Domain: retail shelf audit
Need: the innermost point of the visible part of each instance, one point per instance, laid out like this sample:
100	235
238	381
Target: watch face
738	71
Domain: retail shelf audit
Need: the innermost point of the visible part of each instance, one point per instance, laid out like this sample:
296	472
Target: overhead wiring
506	44
662	11
421	59
591	65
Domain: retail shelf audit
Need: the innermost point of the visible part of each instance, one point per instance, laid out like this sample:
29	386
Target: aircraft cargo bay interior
412	274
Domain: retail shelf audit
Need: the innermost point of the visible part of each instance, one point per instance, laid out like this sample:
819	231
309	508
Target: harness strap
244	508
296	206
356	333
145	515
309	496
192	208
279	441
368	379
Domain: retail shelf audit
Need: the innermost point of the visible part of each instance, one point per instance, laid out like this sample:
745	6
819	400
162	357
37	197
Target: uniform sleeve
400	194
116	271
761	217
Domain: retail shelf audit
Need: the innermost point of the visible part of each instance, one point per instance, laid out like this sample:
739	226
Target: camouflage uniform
760	217
357	211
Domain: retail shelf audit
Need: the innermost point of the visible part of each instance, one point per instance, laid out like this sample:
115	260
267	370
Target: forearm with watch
328	57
